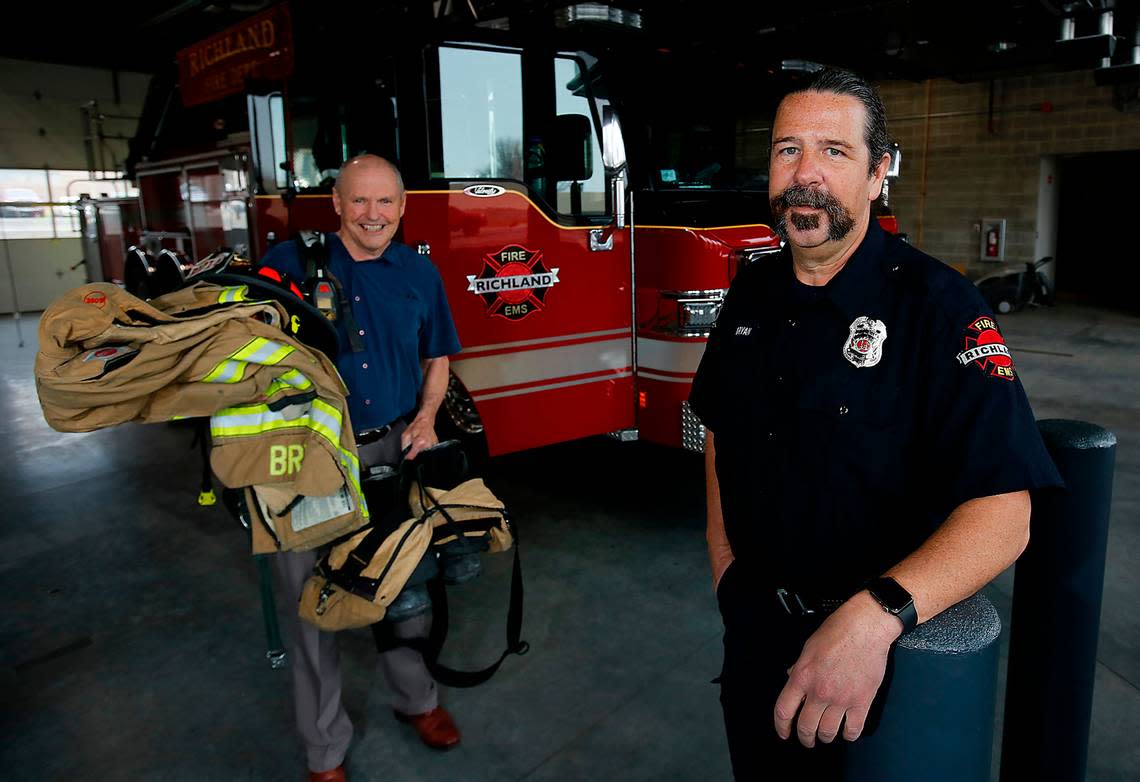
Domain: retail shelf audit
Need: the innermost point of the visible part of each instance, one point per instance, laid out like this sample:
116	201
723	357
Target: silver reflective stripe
264	353
229	371
327	421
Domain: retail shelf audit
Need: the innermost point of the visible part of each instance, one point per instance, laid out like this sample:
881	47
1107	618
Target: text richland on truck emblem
514	282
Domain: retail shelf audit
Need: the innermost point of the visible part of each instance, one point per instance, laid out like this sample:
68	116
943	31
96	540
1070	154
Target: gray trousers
323	723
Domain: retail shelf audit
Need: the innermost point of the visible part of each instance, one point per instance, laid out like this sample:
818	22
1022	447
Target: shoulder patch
984	347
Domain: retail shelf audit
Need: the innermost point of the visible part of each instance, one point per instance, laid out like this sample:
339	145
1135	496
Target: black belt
373	435
798	605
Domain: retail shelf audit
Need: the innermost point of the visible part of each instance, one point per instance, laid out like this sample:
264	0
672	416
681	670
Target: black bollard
938	712
1057	589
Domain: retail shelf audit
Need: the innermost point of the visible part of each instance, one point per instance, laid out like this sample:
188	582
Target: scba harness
322	289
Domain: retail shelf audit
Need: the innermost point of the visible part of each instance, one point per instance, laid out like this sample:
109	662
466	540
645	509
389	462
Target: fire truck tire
459	420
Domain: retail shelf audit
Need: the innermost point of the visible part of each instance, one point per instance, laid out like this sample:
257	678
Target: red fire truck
583	192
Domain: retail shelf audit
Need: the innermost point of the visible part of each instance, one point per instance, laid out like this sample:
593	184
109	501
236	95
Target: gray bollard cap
1077	435
963	628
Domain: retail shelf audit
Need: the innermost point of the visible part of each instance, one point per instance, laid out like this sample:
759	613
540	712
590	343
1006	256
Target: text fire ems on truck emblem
514	282
865	339
986	349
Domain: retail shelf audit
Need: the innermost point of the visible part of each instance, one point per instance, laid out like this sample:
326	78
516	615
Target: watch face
889	593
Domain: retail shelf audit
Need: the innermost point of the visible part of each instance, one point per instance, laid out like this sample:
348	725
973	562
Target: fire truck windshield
694	125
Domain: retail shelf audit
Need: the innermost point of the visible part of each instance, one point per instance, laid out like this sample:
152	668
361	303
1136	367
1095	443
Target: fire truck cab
583	193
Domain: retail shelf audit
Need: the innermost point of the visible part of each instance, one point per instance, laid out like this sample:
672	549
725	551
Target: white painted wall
41	127
1048	194
42	271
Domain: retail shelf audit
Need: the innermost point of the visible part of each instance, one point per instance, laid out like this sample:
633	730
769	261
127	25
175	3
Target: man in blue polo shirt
870	449
396	368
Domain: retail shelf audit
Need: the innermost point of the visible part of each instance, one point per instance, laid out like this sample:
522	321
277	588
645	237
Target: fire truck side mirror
569	157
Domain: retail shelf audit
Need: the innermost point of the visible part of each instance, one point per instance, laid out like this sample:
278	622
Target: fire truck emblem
514	282
985	349
865	339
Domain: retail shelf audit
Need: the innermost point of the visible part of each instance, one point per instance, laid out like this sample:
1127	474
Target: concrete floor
132	647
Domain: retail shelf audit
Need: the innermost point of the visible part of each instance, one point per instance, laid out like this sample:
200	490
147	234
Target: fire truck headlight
698	316
689	313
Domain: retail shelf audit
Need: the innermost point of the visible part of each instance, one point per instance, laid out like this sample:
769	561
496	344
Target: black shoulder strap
312	246
314	254
432	646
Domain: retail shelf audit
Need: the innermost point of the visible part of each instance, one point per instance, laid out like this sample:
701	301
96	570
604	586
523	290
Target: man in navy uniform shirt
869	451
396	376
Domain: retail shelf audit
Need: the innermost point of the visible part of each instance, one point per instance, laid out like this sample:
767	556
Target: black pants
761	641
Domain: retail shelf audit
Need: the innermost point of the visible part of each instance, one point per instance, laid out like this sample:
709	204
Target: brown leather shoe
332	775
435	728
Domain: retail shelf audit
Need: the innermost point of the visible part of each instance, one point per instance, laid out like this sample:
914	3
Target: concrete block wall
980	165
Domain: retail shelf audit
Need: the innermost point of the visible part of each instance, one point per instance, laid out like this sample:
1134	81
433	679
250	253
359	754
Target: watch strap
888	592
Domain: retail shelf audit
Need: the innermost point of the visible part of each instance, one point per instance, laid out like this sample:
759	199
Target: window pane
481	107
569	89
67	186
277	126
24	213
38	204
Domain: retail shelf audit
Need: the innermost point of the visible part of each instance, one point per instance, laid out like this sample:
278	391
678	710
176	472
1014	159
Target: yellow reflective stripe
297	379
257	351
322	419
327	420
262	351
232	294
293	379
229	371
351	464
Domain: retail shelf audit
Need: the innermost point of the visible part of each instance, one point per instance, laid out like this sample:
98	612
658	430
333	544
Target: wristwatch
894	600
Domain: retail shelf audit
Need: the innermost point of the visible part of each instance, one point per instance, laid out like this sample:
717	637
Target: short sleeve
978	421
284	257
438	337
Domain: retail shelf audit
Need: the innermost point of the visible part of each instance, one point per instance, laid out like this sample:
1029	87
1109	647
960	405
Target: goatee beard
839	221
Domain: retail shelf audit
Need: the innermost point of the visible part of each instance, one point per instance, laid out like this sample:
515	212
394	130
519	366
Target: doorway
1097	256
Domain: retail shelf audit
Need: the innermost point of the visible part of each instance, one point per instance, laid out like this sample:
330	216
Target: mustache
839	220
802	195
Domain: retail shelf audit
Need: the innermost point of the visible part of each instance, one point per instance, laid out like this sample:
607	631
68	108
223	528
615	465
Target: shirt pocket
861	431
403	315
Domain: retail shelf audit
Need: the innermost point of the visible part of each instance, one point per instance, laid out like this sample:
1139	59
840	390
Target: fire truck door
519	222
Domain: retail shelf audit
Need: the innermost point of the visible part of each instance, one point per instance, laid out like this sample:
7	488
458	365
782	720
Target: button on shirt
401	317
850	419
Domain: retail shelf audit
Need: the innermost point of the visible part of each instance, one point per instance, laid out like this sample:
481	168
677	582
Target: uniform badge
865	339
985	348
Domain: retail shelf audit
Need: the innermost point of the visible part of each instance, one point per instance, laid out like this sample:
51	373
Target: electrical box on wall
992	240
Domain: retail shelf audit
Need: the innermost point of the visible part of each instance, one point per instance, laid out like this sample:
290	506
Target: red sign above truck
259	48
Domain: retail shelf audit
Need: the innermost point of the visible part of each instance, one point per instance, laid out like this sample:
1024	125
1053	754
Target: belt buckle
789	600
